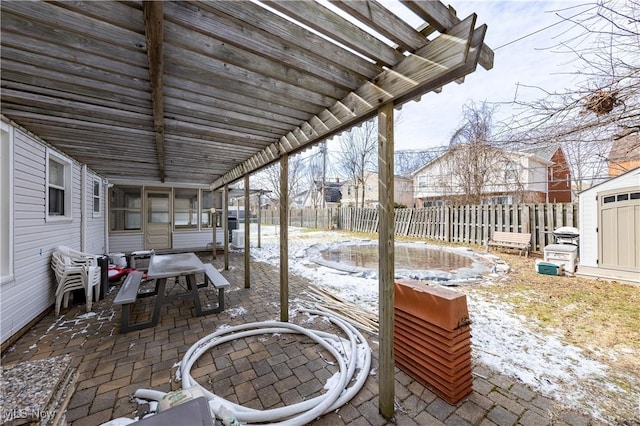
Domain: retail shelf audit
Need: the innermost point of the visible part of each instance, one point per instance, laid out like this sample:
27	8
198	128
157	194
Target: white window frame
96	197
67	186
6	200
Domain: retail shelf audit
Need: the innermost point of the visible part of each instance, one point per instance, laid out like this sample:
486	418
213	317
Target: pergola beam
442	18
443	60
154	33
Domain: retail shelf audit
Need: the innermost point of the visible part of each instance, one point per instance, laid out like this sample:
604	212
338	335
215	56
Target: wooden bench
511	240
218	281
126	297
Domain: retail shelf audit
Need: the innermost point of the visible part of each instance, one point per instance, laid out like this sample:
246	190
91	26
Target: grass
599	316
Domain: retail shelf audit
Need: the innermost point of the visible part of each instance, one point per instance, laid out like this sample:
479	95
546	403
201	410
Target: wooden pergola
211	92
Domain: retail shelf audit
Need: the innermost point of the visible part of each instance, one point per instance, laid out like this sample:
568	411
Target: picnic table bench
161	268
127	295
217	280
511	240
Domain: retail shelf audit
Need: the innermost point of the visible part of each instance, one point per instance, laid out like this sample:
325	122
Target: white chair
74	276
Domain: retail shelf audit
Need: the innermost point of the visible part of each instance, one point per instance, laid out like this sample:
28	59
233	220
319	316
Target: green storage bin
548	268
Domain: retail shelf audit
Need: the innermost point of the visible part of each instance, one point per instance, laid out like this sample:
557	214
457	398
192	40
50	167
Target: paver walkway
264	372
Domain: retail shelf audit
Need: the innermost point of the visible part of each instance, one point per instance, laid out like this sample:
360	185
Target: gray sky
530	61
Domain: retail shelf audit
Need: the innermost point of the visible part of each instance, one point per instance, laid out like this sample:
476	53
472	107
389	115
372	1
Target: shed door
157	231
619	229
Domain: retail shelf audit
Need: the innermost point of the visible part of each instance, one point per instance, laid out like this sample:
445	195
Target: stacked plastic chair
75	270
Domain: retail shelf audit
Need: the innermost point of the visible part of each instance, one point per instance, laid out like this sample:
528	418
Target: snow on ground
501	339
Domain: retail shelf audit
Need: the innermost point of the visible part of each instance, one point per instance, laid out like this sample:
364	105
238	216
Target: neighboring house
610	228
624	155
558	174
313	198
402	191
486	175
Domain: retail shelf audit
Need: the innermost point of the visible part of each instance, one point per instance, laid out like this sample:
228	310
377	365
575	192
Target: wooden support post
259	218
247	223
387	258
213	214
284	238
225	225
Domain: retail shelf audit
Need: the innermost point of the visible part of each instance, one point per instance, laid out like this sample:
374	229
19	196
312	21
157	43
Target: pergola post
247	222
386	262
259	218
225	225
284	238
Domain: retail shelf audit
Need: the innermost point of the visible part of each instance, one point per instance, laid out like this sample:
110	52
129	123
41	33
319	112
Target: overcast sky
530	61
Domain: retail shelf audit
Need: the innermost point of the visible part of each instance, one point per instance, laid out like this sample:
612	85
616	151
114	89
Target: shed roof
205	92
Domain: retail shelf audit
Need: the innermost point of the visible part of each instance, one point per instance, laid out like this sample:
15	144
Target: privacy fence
461	224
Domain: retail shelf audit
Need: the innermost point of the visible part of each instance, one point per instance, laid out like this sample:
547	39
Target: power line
543	29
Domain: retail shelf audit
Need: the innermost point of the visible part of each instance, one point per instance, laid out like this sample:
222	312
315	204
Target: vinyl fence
461	224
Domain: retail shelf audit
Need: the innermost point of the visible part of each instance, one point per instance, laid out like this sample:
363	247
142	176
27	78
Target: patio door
157	230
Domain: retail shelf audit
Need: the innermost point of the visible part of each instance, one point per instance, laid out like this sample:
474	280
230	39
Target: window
58	187
125	205
205	215
511	172
185	208
422	182
6	203
97	191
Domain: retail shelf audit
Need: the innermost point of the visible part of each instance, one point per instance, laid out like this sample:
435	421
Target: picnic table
162	268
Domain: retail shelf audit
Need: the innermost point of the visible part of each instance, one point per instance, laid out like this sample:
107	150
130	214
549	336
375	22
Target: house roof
206	92
625	149
544	152
541	155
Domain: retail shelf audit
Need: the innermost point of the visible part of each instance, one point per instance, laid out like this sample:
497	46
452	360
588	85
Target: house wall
439	179
616	168
403	191
559	178
128	242
31	289
94	238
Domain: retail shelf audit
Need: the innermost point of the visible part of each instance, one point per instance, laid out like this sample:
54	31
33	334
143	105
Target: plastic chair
71	276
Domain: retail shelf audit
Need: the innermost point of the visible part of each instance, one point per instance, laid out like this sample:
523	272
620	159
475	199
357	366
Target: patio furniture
73	274
171	266
217	280
511	240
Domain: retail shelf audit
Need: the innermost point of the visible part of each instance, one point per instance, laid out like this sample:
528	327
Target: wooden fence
461	224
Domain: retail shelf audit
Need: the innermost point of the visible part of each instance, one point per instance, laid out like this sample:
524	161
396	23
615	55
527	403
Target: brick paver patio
264	372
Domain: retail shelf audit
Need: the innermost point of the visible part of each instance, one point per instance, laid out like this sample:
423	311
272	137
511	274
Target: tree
269	178
604	104
476	166
408	161
358	155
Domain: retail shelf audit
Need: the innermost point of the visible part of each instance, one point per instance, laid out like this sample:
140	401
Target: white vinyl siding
6	203
35	236
95	237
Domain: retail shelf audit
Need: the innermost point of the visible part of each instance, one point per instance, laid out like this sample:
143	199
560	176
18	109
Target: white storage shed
610	229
